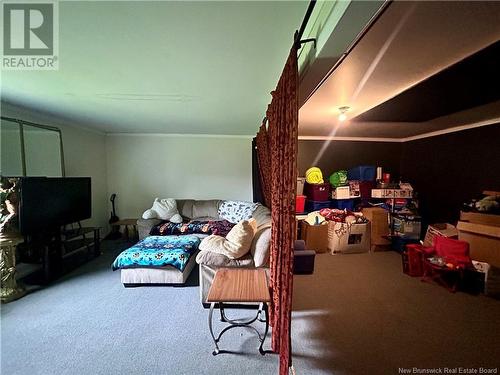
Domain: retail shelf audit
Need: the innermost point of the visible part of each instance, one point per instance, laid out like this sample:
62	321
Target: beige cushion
190	208
205	208
237	242
218	260
262	215
260	247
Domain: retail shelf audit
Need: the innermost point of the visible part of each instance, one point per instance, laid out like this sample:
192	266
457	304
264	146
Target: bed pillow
235	211
165	209
237	242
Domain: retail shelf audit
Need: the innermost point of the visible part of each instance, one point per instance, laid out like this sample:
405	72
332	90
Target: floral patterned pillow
236	211
218	227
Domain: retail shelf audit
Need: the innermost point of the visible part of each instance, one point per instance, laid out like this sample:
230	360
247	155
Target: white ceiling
408	43
161	66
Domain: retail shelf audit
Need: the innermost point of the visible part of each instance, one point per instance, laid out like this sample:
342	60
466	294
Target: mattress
163	275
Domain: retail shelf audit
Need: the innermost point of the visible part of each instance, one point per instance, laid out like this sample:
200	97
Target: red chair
456	258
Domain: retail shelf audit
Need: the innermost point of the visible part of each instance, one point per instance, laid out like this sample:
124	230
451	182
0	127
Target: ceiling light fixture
342	115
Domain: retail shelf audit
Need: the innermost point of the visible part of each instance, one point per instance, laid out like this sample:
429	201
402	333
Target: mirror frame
21	124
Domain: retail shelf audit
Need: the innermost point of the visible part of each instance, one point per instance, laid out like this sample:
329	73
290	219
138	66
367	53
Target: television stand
80	239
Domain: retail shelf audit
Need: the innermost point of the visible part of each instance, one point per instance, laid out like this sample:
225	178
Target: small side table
126	223
237	285
9	291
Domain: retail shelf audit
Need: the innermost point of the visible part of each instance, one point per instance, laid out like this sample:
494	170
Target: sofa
190	209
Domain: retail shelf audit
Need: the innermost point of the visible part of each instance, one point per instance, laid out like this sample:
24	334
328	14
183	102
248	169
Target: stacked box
315	236
484	241
445	230
346	238
379	219
300	185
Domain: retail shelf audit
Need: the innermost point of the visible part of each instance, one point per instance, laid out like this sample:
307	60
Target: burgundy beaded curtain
264	162
282	131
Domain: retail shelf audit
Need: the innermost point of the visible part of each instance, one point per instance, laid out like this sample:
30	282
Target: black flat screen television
47	203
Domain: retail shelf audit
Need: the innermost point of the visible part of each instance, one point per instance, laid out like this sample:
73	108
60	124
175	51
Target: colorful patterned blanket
167	228
158	251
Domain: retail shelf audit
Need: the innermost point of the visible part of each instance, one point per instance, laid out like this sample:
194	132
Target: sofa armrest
144	226
209	258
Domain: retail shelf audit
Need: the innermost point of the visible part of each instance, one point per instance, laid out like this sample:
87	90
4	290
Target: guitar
113	217
115	229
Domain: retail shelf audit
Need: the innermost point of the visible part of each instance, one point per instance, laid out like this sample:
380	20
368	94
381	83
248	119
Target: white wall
141	167
84	155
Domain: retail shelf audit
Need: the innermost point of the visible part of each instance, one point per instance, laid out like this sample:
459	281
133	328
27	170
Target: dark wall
335	155
450	169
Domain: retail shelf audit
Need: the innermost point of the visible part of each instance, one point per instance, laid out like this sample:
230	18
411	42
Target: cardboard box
480	218
341	192
392	193
345	239
382	193
300	185
484	241
355	189
315	236
402	193
379	219
444	230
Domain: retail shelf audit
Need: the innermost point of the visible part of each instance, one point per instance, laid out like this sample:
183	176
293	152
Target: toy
338	178
489	203
314	176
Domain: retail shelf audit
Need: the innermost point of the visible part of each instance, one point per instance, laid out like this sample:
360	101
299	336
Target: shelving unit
79	239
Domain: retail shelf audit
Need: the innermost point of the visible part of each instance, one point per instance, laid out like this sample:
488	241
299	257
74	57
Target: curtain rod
297	42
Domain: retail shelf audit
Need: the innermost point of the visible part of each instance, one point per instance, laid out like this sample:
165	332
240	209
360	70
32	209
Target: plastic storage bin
413	260
317	192
362	173
343	204
365	189
300	202
317	205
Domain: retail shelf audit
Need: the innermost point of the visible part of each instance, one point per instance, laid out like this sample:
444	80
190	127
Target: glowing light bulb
342	115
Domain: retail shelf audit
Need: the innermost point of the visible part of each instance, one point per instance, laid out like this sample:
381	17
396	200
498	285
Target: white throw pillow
237	242
150	214
165	209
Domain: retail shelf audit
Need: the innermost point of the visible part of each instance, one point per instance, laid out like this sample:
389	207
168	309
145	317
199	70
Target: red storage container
300	202
317	192
365	189
413	260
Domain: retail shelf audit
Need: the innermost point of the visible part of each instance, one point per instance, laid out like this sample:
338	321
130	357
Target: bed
158	260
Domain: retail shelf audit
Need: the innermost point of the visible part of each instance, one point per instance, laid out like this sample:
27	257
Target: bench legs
263	309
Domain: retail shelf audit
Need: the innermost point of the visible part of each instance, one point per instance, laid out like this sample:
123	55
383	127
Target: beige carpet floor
359	314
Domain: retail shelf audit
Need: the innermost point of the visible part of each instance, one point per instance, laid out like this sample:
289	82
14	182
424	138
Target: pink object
452	251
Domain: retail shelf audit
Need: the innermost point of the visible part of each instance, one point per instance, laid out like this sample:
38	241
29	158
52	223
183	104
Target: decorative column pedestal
9	290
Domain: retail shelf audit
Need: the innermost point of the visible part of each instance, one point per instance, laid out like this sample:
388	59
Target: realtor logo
30	31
